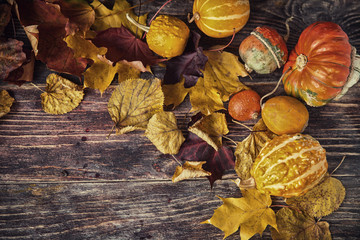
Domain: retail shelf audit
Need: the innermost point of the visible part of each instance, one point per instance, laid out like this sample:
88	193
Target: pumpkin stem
196	17
142	27
245	184
301	62
274	90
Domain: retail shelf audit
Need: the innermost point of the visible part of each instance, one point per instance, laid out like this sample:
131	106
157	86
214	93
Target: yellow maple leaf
61	95
321	200
115	18
247	150
293	224
6	102
211	129
102	71
163	132
190	170
134	102
252	213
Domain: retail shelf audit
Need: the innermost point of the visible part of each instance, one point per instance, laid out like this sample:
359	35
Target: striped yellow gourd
289	165
219	18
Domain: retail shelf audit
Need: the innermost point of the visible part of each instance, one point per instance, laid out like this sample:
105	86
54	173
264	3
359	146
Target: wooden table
61	178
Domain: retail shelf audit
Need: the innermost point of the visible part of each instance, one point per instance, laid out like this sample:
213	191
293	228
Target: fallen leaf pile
94	41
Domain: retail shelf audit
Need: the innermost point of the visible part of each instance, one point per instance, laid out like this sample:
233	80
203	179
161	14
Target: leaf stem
36	86
241	124
111	131
342	160
176	160
230	140
157	12
222	48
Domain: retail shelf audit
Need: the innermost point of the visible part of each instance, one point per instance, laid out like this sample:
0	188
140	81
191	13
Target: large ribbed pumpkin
219	18
319	68
289	165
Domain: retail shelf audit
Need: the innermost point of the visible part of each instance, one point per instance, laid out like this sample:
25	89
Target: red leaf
196	149
53	27
123	45
25	72
11	56
187	65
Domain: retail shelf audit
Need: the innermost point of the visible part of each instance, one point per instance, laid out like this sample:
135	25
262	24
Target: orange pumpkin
319	69
220	18
289	165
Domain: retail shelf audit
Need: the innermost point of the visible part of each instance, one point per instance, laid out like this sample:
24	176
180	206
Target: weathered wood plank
135	210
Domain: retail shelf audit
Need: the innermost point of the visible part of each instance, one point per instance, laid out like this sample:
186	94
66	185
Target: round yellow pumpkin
167	36
289	165
219	18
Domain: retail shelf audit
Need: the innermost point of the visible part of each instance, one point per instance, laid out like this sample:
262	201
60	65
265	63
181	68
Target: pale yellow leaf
190	170
163	132
6	102
61	95
323	199
247	150
293	224
211	129
175	93
134	102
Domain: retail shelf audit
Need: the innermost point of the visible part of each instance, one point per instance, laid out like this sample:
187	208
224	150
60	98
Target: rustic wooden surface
60	178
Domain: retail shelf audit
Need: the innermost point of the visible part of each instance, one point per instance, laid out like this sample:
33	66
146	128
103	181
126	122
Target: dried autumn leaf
211	129
11	56
134	102
25	72
188	65
222	72
293	224
190	170
252	213
323	199
123	45
6	102
115	18
163	132
5	16
174	94
217	162
61	95
52	27
247	150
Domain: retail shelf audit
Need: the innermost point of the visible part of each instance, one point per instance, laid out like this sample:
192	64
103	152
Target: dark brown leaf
11	56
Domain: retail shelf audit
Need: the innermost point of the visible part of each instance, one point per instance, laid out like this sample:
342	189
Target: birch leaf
211	128
296	225
175	93
61	95
247	150
190	170
163	132
134	102
323	199
6	102
252	213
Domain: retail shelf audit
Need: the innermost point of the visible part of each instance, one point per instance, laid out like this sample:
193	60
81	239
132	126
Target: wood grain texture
61	178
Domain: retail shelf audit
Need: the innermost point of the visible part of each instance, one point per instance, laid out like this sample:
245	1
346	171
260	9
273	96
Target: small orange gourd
221	18
167	35
285	115
289	165
244	105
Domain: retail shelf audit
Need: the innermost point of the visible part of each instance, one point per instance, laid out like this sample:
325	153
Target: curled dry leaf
211	129
247	150
134	102
323	199
252	213
116	17
293	224
6	102
190	170
163	132
61	95
11	56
